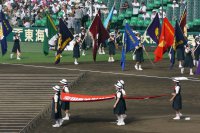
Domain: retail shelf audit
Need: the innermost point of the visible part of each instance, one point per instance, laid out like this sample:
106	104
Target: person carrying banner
56	108
16	47
177	100
197	51
65	105
111	44
119	107
188	62
83	43
76	49
139	54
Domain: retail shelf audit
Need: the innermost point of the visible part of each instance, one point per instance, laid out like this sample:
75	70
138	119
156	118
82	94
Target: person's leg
136	66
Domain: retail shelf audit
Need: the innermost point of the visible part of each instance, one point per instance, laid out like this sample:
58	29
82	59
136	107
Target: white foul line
93	71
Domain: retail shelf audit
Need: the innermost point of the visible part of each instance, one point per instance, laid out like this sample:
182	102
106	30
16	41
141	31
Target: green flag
52	31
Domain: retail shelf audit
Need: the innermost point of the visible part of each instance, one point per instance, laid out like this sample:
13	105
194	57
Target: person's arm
118	96
56	103
116	103
176	92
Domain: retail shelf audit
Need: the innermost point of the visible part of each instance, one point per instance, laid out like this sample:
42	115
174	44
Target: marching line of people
187	55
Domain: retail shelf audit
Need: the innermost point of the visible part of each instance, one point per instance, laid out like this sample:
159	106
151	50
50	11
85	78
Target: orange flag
166	40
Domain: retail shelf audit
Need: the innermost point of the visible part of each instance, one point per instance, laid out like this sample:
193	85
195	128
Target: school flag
123	58
66	37
109	18
52	30
179	40
99	34
154	29
183	21
130	39
165	41
5	30
198	69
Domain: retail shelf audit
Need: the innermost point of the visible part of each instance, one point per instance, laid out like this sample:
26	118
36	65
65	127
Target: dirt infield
144	116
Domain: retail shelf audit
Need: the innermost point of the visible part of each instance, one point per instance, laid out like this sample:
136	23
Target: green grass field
32	54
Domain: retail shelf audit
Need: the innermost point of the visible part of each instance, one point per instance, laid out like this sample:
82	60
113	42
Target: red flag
99	34
183	21
166	39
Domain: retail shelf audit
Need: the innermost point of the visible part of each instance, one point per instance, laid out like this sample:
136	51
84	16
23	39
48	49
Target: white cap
118	85
56	88
112	34
175	80
76	35
121	81
63	81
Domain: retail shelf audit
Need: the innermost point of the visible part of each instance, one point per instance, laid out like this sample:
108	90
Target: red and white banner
84	98
89	98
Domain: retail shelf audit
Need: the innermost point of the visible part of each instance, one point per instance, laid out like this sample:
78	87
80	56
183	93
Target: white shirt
177	88
66	89
143	9
55	98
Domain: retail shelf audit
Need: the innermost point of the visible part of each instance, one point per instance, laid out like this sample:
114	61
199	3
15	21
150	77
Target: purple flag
198	69
154	29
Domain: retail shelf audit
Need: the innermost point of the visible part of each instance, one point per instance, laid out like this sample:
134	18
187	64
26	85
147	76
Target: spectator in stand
174	4
136	6
124	6
145	16
77	16
143	8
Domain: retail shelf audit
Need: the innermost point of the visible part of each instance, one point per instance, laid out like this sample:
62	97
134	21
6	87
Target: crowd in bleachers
77	13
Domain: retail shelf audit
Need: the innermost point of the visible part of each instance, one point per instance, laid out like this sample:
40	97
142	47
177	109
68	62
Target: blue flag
5	30
123	58
109	18
130	39
154	29
65	37
180	41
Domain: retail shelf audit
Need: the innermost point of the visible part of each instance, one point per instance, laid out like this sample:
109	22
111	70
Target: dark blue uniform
76	50
65	104
57	115
111	45
139	55
16	45
188	62
180	52
177	102
121	105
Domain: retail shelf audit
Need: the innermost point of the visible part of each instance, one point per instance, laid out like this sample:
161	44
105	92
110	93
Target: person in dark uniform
65	105
177	100
139	54
196	51
56	107
180	54
188	62
82	37
119	107
76	49
111	44
16	47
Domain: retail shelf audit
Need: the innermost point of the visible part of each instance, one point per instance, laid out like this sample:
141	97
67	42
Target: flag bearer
111	44
16	47
82	37
56	107
177	100
188	62
180	54
65	105
119	106
76	49
139	54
